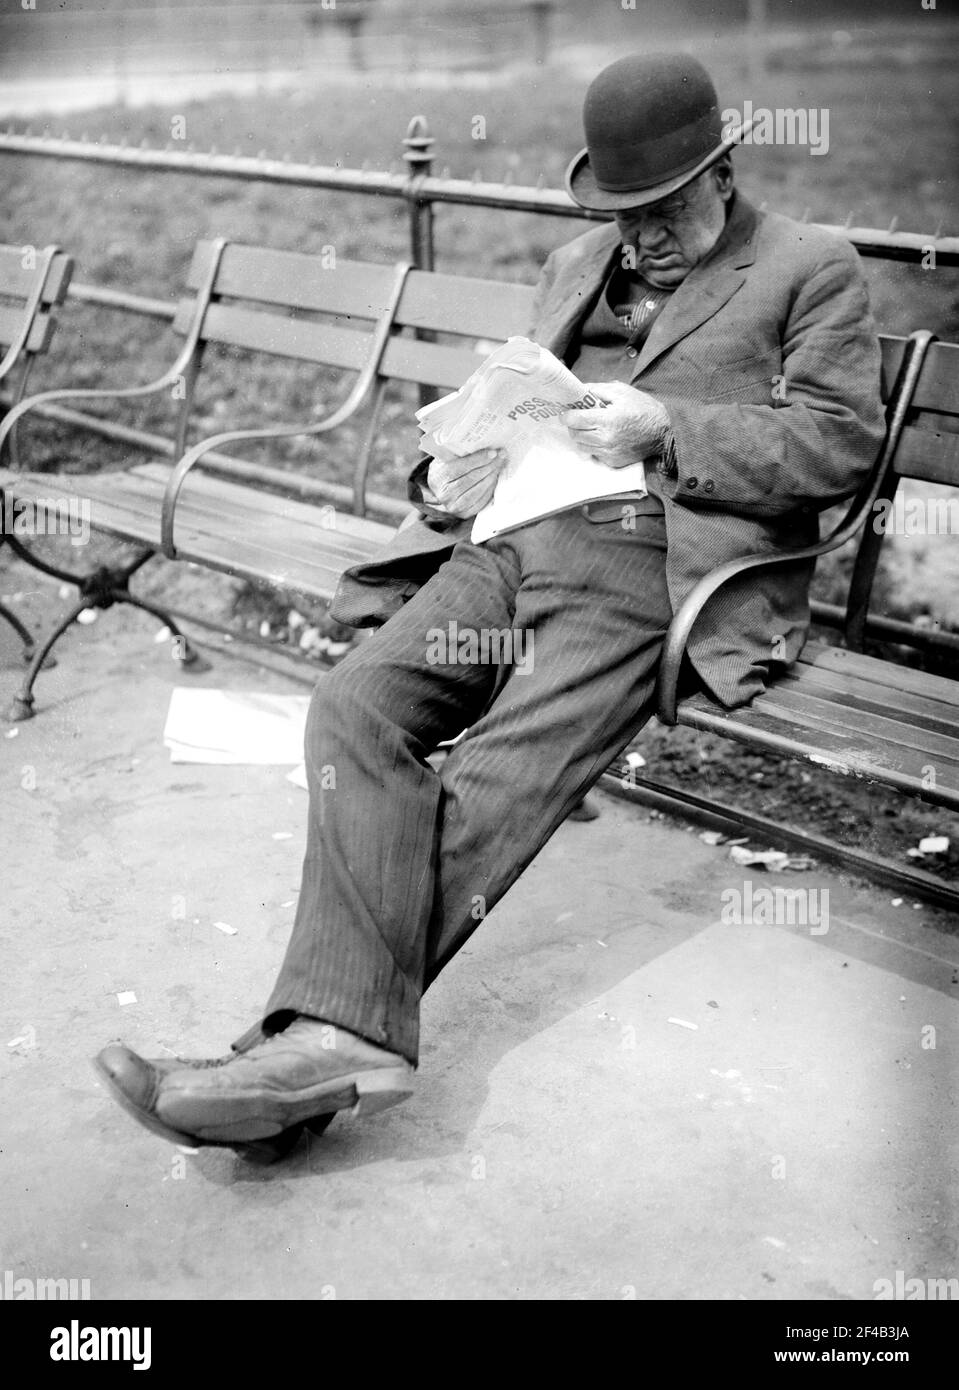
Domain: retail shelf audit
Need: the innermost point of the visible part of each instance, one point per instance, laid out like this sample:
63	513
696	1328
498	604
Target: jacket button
708	485
632	352
692	482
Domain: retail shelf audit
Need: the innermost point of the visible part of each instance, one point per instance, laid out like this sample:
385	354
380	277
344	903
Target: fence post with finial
418	154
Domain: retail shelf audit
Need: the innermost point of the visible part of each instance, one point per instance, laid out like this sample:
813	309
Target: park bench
361	317
837	707
32	284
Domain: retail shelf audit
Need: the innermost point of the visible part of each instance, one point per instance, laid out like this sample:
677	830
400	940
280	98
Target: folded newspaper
515	401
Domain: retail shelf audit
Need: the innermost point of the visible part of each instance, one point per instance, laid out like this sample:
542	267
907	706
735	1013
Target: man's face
673	235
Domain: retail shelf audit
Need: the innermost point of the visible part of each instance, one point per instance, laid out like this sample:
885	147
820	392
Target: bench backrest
257	290
928	450
32	283
321	309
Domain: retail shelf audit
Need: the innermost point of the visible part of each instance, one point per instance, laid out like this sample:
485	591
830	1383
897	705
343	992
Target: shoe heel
378	1090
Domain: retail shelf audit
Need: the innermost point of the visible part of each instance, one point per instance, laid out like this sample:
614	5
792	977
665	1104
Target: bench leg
21	706
22	632
101	589
26	637
184	652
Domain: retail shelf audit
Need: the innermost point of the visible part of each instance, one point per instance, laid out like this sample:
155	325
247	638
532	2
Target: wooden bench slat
936	420
428	364
892	348
210	510
860	693
139	499
15	279
210	503
250	500
19	281
863	694
936	388
58	279
817	711
11	325
871	758
293	279
928	455
260	559
326	344
882	673
474	308
405	359
778	730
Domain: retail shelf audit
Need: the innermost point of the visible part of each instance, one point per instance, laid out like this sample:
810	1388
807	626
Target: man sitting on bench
739	360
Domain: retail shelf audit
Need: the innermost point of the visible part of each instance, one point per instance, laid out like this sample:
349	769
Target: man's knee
353	694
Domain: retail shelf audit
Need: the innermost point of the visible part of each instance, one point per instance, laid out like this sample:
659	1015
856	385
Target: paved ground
568	1140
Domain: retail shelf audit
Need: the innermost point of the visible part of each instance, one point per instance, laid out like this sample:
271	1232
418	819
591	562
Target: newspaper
515	401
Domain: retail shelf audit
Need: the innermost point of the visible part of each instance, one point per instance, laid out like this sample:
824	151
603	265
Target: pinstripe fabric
402	862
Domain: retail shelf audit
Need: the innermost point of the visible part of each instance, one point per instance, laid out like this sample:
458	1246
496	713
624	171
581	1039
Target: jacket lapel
708	286
576	288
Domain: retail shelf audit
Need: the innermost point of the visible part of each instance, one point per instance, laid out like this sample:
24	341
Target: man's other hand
463	486
630	427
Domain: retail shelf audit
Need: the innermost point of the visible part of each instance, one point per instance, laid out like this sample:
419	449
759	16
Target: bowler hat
652	125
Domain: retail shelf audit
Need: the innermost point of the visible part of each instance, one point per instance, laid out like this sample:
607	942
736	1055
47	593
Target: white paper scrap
227	726
126	996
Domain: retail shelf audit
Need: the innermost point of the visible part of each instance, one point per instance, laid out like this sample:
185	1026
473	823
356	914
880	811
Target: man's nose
652	232
648	229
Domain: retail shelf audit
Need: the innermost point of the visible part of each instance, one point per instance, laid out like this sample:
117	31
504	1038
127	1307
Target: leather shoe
308	1071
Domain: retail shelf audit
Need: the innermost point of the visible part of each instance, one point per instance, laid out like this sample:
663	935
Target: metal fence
422	190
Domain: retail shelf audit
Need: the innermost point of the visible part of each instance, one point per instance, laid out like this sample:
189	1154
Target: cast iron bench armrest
169	377
681	626
361	389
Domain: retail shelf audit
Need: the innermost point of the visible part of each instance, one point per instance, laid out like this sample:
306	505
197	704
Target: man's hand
629	428
463	486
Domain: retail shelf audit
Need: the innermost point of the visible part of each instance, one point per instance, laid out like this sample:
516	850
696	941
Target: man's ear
722	172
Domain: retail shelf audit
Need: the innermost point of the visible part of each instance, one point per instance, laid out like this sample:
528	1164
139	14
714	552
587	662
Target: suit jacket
768	363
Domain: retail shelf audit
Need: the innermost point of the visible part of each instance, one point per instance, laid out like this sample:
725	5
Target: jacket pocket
752	377
618	509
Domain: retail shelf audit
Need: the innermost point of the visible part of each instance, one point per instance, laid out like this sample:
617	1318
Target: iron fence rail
420	188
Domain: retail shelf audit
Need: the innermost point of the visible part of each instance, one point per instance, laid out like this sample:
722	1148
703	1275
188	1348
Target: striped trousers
404	861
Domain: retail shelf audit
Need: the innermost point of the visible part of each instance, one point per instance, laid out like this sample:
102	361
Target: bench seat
220	524
855	715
